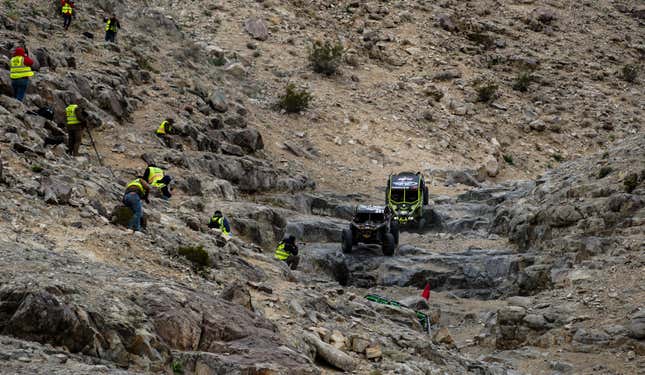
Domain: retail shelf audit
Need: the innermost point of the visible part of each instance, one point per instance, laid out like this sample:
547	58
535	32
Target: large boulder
249	139
511	334
134	318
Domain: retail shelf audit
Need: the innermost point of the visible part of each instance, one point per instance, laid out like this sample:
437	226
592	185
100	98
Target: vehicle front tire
346	241
394	229
388	245
422	224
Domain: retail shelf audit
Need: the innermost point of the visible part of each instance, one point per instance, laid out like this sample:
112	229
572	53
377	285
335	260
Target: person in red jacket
20	72
67	8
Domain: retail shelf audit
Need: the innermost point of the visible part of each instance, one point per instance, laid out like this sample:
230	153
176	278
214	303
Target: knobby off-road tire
346	241
388	245
394	229
422	224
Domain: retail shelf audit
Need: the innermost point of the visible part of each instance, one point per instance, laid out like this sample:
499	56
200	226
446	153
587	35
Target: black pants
67	20
165	191
74	138
110	36
292	261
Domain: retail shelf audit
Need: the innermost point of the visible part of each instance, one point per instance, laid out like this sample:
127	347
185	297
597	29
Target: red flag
426	292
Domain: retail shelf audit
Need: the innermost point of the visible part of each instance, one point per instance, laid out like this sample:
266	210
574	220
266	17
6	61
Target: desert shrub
630	73
604	171
630	182
326	57
522	81
177	367
481	38
487	92
294	100
36	168
217	61
557	157
508	159
494	61
196	255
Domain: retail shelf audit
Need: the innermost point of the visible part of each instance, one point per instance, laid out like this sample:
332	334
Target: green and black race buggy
407	195
372	225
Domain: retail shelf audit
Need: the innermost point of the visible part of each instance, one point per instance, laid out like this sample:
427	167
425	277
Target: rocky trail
534	246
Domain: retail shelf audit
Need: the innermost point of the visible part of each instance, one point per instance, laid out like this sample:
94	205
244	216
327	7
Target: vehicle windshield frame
372	217
405	191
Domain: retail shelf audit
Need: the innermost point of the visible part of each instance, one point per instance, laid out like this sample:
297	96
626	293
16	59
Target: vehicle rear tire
394	229
346	241
388	245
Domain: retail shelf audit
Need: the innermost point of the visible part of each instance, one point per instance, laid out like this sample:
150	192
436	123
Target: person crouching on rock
287	251
165	130
218	221
135	191
156	178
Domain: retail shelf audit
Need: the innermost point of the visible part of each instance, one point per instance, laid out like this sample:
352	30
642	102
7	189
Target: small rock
359	344
591	337
337	340
536	321
297	308
561	366
442	336
257	28
637	325
373	352
511	314
239	294
218	101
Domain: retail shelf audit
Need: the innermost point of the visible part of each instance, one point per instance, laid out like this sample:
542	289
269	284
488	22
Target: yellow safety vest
155	175
67	9
71	114
109	26
220	222
281	253
163	128
138	184
19	69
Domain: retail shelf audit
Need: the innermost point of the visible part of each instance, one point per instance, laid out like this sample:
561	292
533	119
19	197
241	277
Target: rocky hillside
525	114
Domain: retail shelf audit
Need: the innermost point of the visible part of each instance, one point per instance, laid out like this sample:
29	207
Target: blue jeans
133	201
19	88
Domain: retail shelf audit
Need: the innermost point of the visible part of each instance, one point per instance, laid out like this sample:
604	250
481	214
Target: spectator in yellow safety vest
135	191
68	11
287	251
20	72
218	221
165	130
111	27
156	178
76	122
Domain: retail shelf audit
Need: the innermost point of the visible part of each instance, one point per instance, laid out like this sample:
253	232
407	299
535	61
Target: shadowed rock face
475	273
127	317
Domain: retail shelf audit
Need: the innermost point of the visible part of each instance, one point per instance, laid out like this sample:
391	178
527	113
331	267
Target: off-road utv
372	225
406	195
